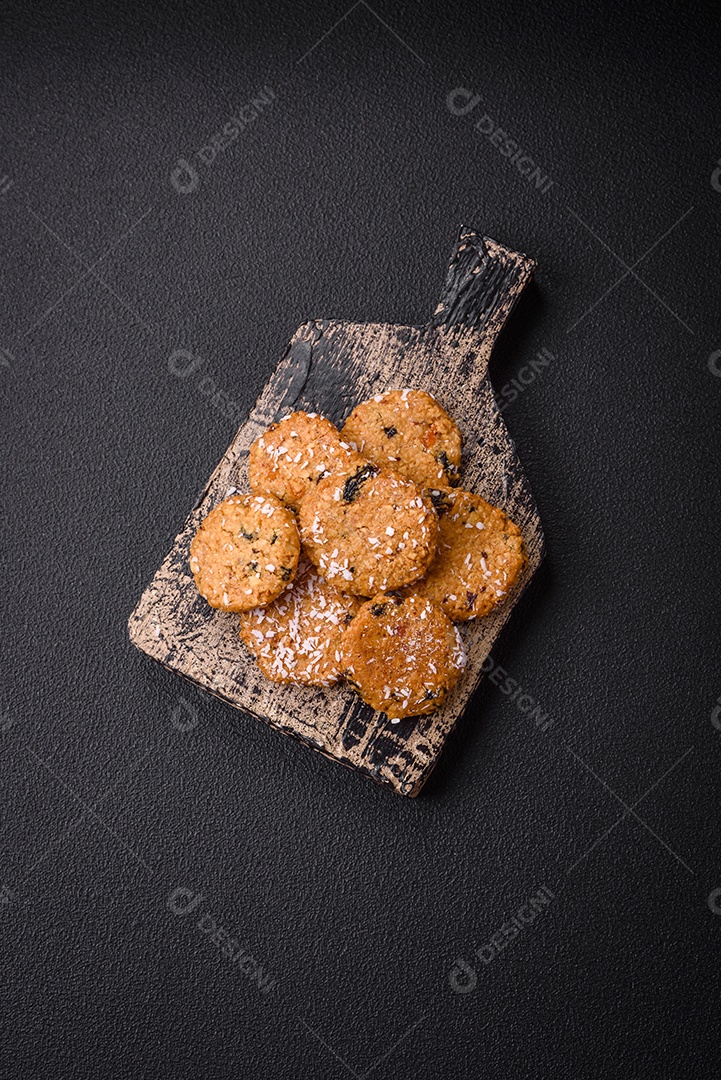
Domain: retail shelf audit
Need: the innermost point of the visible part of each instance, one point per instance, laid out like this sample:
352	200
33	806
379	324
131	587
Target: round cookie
402	654
289	459
479	556
297	638
409	432
368	530
245	552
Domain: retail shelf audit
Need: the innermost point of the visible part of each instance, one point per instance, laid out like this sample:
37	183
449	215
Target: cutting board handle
483	282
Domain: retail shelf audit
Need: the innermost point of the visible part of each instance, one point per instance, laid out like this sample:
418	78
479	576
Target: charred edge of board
354	483
482	284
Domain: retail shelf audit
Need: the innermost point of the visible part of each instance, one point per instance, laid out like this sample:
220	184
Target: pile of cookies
356	553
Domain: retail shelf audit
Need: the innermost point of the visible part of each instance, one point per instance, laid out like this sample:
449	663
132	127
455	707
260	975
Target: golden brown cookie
402	654
368	530
409	432
245	552
291	457
479	557
297	638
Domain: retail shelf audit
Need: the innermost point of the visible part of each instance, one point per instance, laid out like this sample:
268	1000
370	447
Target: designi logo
462	977
184	177
183	901
184	716
716	715
183	363
716	177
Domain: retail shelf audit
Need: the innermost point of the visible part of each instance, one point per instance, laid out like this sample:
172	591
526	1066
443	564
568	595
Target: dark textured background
341	200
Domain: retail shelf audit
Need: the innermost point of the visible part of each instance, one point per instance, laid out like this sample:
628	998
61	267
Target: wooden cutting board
328	368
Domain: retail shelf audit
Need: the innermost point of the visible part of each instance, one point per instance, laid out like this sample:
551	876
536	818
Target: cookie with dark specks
479	558
409	432
297	638
368	530
245	552
289	459
402	654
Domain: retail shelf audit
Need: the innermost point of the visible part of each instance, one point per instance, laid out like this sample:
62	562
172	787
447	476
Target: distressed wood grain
329	367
